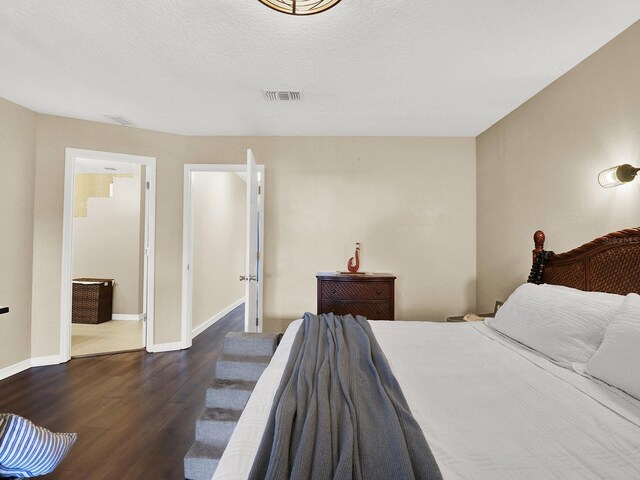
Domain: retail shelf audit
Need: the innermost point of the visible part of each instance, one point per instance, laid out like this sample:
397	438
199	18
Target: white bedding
489	408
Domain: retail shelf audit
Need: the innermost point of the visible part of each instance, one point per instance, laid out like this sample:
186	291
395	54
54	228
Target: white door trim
67	241
187	241
251	246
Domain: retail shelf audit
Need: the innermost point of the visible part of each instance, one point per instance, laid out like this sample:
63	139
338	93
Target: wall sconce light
614	176
300	7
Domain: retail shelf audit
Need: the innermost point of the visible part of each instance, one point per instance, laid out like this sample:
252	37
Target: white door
251	322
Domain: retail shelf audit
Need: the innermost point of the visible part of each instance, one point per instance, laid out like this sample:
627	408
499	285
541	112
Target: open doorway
218	208
216	234
107	253
107	257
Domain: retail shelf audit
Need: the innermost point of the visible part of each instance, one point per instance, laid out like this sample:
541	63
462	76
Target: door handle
249	278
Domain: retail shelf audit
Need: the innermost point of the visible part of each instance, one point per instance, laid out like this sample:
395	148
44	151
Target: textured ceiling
366	67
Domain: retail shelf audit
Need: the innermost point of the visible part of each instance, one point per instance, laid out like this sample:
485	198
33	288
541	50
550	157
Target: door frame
67	241
187	242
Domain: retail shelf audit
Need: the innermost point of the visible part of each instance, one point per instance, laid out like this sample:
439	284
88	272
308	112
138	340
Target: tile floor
112	336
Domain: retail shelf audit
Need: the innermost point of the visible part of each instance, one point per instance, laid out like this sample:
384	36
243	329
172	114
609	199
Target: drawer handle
378	291
333	290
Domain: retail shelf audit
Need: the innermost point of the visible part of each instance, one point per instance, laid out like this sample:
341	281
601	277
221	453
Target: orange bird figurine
354	266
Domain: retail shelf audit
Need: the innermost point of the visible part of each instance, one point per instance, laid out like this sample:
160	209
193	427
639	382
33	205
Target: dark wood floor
134	412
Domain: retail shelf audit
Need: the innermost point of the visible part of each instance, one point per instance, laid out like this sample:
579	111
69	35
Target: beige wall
218	202
389	194
322	195
538	167
54	135
107	244
17	171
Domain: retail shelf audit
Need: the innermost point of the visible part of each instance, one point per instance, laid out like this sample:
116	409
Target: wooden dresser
358	294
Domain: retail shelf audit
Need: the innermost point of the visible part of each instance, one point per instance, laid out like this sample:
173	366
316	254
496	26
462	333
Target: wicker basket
92	300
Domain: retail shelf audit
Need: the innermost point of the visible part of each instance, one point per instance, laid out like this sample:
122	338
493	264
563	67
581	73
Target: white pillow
617	361
28	451
565	324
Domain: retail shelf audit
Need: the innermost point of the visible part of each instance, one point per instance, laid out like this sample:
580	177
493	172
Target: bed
490	405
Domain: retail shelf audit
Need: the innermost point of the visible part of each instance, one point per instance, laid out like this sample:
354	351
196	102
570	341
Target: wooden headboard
607	264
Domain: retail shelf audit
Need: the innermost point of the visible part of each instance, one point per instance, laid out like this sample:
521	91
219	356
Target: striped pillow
28	451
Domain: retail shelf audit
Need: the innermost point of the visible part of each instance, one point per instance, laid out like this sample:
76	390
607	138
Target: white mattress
489	408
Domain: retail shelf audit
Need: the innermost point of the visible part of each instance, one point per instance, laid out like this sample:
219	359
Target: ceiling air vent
282	95
125	122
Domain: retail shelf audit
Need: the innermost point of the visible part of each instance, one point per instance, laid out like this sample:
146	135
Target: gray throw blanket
339	412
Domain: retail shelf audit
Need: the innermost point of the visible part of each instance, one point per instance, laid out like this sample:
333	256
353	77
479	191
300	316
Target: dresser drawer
371	295
373	311
356	290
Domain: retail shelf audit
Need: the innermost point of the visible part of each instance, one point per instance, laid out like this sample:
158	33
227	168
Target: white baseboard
130	317
167	347
11	370
15	368
161	347
202	327
27	364
43	361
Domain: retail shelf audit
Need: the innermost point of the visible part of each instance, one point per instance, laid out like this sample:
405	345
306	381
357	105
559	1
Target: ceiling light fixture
300	7
614	176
